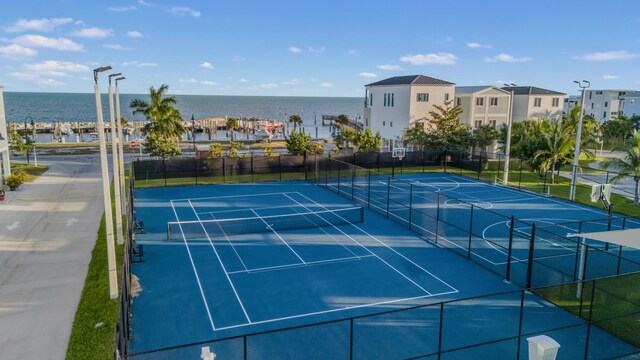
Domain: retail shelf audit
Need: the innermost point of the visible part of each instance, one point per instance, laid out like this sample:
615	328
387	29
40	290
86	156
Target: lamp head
99	70
112	75
192	117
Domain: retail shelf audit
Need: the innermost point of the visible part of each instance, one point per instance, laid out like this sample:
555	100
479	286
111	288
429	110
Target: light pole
106	196
193	134
26	137
115	159
507	146
120	150
584	84
33	130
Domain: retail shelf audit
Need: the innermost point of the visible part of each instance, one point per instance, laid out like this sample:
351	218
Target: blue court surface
236	259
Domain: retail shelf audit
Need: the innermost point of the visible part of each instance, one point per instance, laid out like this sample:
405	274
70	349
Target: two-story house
530	102
483	105
4	139
393	105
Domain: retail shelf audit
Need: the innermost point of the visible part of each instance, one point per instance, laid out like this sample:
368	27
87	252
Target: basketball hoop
399	153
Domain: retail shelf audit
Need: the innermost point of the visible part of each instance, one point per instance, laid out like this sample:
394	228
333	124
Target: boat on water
263	135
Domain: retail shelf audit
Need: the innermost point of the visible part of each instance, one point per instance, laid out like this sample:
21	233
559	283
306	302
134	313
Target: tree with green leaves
444	131
19	143
232	124
483	137
628	165
316	148
268	151
215	151
560	143
165	122
367	142
342	119
234	149
298	142
296	120
345	137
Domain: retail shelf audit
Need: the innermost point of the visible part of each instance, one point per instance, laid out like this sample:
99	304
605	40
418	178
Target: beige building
392	105
4	139
531	102
483	105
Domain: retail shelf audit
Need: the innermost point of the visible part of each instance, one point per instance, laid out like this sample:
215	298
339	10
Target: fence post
410	203
606	244
520	178
440	330
388	194
164	172
593	293
338	179
575	267
499	164
369	190
378	161
423	160
224	170
437	215
351	338
479	166
244	347
607	180
304	164
445	160
280	166
353	181
252	168
195	168
470	232
531	249
510	249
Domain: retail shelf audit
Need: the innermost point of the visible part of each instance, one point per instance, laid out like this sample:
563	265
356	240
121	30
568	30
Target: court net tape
216	229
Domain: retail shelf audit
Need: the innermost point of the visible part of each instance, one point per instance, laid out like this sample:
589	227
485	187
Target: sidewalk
47	232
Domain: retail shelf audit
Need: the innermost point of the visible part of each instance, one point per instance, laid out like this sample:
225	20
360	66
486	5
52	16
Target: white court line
390	248
279	237
232	196
243	209
339	309
221	263
289	266
229	241
204	298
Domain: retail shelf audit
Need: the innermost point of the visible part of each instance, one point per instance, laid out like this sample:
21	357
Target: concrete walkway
47	232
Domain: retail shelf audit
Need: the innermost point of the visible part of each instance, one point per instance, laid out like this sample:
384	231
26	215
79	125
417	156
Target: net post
440	329
531	249
361	214
388	194
510	249
410	203
470	232
437	215
606	244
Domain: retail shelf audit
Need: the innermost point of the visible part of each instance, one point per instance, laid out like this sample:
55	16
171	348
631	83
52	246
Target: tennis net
215	229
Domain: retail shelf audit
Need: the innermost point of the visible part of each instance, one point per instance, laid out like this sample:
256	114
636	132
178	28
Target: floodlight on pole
114	162
507	145
120	147
106	196
33	130
584	84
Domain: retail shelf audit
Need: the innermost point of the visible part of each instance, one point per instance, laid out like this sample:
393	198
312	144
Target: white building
603	105
483	105
630	104
532	102
392	105
4	139
570	102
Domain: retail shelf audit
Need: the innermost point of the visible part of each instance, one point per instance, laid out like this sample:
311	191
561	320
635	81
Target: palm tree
559	146
232	124
163	118
296	120
629	165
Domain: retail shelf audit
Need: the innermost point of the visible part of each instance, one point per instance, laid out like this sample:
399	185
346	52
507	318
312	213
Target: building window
392	99
590	93
493	123
446	96
479	101
385	99
371	100
606	104
591	105
477	124
537	102
459	101
555	102
598	92
384	123
493	101
604	114
423	97
390	123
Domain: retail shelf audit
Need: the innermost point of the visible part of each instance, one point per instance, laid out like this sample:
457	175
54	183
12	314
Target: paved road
47	232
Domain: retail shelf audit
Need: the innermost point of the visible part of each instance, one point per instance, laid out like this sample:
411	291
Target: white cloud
368	75
208	82
139	64
142	2
610	77
326	85
93	33
608	55
426	59
44	24
269	86
188	81
51	82
15	52
294	49
507	58
316	50
39	41
243	80
122	8
57	66
352	51
134	34
475	45
116	47
291	82
390	67
206	65
183	10
23	75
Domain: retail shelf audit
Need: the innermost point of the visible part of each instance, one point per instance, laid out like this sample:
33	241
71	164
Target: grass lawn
32	171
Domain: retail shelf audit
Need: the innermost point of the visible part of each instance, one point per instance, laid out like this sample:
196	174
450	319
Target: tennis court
228	260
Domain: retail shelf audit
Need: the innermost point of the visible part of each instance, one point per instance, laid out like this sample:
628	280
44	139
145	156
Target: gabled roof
475	89
532	90
411	80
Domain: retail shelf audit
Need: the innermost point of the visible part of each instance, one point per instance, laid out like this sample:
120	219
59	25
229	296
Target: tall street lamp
507	147
120	146
25	138
584	84
33	130
106	196
193	134
114	160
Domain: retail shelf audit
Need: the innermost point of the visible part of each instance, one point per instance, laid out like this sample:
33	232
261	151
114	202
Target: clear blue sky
316	48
